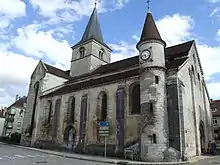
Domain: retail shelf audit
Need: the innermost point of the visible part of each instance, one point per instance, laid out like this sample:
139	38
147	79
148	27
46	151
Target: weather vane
148	3
96	1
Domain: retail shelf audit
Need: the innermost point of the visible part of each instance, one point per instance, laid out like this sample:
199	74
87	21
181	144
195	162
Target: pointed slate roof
93	30
150	30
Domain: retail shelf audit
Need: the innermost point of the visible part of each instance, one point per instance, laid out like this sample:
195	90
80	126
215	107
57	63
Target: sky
31	30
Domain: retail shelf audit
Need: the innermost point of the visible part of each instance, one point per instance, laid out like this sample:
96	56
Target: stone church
156	101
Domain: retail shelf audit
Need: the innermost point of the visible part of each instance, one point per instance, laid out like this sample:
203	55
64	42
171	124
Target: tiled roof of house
19	103
215	104
179	51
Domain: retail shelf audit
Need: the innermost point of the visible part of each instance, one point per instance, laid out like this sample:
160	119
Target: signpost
104	132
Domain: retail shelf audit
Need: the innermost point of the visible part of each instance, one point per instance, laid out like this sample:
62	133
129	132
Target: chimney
16	98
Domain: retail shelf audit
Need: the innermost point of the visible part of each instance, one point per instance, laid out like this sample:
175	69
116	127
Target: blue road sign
103	124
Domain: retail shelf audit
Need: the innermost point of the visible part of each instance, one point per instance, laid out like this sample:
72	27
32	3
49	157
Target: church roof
150	30
56	71
175	56
93	30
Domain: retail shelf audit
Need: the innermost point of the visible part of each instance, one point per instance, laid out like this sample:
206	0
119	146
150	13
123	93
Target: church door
71	139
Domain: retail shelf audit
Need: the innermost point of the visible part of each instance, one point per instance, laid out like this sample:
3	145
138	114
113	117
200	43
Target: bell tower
91	51
154	124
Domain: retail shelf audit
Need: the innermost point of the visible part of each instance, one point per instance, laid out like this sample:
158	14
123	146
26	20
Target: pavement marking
31	156
20	156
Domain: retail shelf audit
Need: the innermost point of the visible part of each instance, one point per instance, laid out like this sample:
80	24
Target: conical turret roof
93	30
150	31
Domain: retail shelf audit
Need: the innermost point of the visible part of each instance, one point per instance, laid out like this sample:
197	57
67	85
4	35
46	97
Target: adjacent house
3	112
14	117
215	105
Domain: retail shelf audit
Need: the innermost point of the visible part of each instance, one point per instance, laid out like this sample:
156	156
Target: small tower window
157	79
101	52
82	52
154	139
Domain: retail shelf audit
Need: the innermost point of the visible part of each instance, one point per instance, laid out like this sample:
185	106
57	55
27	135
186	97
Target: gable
56	71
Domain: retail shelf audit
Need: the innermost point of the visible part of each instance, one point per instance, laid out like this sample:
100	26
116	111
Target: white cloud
216	12
213	1
34	41
175	29
12	8
122	50
15	71
69	11
213	92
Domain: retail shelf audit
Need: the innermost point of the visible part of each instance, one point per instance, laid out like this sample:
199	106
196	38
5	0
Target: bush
16	137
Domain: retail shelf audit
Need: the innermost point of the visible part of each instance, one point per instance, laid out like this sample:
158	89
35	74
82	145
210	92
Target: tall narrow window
36	88
82	52
72	110
154	139
56	118
101	52
104	107
50	111
151	107
135	99
157	79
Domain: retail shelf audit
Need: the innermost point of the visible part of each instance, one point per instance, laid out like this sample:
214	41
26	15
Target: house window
214	109
101	52
215	121
135	99
82	52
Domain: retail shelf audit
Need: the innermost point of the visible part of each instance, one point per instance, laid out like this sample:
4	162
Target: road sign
103	128
104	131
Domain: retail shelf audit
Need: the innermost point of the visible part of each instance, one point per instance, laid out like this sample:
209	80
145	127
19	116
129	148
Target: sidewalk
108	160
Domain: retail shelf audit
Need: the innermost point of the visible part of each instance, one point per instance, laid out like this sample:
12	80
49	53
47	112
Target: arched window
101	52
104	107
36	90
50	111
82	52
56	118
135	98
71	110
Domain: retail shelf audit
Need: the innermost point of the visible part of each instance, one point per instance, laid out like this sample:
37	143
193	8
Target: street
211	161
10	155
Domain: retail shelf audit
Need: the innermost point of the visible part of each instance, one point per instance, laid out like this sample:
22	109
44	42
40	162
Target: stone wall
131	121
46	81
194	104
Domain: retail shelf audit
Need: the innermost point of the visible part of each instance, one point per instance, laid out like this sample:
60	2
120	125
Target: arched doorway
202	136
70	136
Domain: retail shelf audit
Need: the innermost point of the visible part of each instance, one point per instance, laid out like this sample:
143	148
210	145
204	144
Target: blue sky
46	29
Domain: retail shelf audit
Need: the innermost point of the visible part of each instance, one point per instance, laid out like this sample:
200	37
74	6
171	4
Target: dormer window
82	52
101	52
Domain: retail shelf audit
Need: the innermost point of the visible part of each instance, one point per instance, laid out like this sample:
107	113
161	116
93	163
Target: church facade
157	100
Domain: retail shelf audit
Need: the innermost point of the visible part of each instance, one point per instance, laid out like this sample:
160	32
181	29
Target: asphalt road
10	155
212	161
